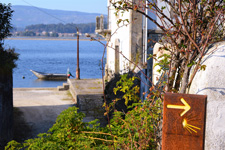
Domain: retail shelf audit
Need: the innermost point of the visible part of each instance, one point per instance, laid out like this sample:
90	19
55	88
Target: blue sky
91	6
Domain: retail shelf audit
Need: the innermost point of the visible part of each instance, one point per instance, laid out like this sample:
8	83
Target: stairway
64	87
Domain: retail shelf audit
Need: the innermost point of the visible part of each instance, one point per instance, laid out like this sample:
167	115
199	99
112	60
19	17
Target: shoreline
50	38
34	88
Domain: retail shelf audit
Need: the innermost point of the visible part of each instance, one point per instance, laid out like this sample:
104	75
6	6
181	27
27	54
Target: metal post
78	69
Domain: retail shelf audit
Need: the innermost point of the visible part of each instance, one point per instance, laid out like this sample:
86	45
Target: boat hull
49	76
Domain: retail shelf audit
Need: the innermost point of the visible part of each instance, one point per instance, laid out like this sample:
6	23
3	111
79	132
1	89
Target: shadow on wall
215	89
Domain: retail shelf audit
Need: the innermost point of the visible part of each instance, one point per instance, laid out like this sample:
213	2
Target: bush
7	59
69	132
137	129
122	91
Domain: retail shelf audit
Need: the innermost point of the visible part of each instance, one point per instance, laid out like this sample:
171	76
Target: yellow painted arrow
186	107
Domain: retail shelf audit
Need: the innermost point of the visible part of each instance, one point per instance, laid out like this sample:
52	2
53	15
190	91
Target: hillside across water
28	15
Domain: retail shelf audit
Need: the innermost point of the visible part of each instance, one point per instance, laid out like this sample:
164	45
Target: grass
69	96
94	88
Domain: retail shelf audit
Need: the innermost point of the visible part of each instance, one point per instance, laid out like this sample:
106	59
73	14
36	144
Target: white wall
211	82
120	36
129	38
152	25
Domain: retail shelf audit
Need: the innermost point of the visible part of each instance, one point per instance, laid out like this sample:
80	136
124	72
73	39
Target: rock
159	51
211	82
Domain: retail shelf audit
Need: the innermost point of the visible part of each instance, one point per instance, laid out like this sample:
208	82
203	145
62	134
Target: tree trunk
173	71
184	82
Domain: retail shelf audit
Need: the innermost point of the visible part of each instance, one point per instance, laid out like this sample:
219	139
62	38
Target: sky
90	6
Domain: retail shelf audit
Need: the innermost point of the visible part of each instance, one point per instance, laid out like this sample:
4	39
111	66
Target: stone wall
6	108
92	106
211	82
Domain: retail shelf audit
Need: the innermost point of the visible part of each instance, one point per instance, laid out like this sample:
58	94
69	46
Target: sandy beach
36	109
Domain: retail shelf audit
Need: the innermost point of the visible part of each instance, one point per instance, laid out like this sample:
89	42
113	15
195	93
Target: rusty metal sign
183	122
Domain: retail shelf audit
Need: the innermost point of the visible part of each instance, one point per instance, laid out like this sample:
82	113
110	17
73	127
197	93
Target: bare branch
185	29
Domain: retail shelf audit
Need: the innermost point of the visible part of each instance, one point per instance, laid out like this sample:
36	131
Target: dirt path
36	109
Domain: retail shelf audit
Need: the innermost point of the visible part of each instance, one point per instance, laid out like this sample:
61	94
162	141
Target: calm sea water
54	56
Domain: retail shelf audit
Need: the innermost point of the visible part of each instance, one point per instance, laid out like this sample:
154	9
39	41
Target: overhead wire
44	11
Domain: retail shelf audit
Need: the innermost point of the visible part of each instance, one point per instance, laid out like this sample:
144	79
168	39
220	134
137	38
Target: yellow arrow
186	107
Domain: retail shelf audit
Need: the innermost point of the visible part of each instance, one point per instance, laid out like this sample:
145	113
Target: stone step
60	88
66	86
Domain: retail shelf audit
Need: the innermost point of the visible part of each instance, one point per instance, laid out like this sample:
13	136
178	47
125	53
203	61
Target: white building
128	42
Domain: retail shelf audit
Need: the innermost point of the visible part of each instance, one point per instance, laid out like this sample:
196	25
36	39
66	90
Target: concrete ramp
88	95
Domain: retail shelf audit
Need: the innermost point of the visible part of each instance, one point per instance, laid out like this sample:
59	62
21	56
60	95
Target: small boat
49	76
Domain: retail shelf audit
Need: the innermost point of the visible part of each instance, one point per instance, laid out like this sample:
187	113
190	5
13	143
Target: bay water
54	56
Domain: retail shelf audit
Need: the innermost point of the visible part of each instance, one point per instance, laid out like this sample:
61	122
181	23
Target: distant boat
49	76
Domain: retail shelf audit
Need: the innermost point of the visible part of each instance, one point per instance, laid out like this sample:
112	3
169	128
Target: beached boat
49	76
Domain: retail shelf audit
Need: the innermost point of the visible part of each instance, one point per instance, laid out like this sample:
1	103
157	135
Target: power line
44	11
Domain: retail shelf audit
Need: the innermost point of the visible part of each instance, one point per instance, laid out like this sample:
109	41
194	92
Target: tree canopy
7	57
62	28
5	25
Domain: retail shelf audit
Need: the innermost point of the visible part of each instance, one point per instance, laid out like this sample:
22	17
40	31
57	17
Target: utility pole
78	68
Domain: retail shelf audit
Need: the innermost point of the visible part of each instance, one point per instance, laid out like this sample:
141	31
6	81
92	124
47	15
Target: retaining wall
6	108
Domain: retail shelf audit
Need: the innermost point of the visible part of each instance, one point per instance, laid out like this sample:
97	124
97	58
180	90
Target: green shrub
136	129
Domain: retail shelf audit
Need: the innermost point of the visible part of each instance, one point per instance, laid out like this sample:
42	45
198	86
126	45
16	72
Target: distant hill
62	28
28	15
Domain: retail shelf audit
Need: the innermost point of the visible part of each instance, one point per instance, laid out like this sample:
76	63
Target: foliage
134	131
188	28
69	132
62	28
7	57
125	85
137	129
26	33
121	92
194	25
5	17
